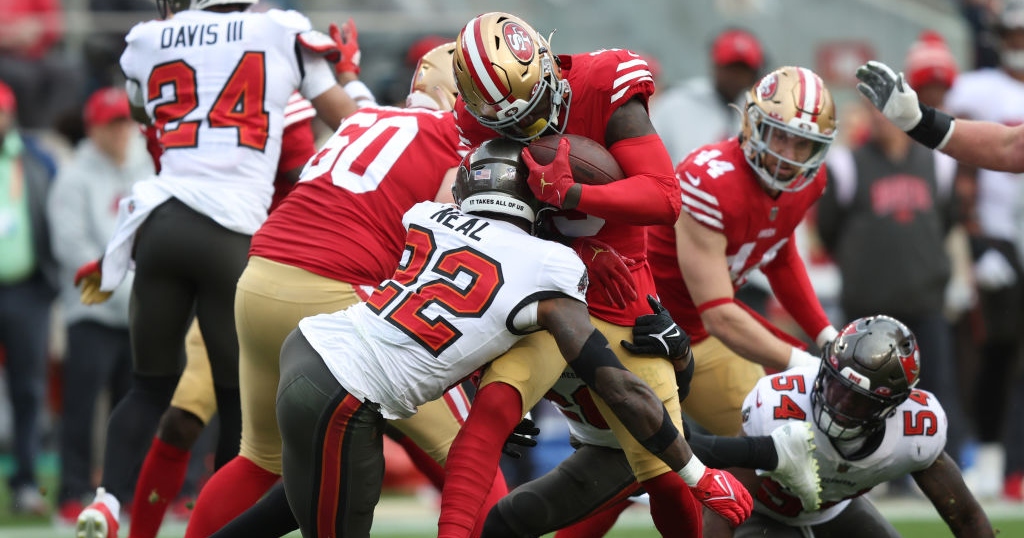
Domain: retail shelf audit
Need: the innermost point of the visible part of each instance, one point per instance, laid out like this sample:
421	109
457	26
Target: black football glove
523	436
658	334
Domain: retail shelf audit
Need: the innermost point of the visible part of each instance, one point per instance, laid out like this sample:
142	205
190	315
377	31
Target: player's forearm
987	145
642	413
743	334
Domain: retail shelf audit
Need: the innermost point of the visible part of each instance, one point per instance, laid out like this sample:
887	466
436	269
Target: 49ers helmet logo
518	42
768	86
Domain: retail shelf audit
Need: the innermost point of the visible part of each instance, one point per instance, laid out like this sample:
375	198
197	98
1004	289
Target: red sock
674	510
230	491
473	461
423	462
163	473
597	524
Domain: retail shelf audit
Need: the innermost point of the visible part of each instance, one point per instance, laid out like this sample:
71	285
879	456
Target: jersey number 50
239	105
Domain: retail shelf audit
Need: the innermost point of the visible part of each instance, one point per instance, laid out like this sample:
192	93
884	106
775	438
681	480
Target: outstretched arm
945	488
981	143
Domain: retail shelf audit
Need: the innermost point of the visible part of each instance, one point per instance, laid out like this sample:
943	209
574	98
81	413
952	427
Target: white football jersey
915	435
465	291
216	85
572	397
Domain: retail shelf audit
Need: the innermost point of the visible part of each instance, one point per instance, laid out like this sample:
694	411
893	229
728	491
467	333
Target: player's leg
858	520
721	380
589	480
512	383
756	526
161	307
673	508
430	432
333	447
166	464
270	300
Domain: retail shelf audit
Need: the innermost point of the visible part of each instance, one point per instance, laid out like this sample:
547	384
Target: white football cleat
797	469
98	520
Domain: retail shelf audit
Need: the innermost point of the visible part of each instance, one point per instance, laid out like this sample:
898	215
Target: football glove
553	183
723	494
347	39
993	271
898	102
523	436
658	334
607	271
88	278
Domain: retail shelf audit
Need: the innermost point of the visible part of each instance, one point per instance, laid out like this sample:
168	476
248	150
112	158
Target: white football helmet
509	79
790	116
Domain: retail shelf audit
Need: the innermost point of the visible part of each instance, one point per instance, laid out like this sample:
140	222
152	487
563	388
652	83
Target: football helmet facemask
869	370
492	179
791	117
433	83
509	79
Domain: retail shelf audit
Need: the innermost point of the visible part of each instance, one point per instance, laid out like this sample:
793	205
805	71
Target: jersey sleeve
129	58
700	199
627	74
925	425
564	272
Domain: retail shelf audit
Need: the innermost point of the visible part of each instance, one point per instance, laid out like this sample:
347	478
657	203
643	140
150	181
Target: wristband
799	357
828	334
934	129
360	93
693	471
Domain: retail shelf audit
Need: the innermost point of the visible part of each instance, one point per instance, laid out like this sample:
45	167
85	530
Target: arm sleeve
648	195
319	75
789	280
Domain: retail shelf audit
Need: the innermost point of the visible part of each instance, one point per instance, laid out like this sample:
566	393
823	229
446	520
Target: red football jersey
601	82
343	220
722	192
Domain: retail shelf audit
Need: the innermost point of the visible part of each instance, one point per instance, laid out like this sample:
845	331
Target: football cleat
797	469
97	520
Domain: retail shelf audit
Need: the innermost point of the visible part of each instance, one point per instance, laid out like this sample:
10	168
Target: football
591	163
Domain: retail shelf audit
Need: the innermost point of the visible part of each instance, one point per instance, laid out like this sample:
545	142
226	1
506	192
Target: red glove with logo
607	270
553	183
721	492
348	43
89	277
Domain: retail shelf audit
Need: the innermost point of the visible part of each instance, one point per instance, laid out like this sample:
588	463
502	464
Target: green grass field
415	517
409	517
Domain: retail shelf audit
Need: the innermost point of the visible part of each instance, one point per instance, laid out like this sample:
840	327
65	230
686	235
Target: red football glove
553	183
347	39
721	492
607	270
88	277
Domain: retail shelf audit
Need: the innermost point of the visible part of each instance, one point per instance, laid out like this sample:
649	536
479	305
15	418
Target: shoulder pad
291	19
321	44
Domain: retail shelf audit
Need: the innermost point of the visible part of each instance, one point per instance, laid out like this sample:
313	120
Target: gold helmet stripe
480	68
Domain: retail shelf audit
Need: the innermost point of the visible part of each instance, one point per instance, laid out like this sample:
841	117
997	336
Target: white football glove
890	93
993	271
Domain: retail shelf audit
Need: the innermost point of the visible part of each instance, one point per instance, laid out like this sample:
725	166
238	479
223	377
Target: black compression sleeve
724	452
